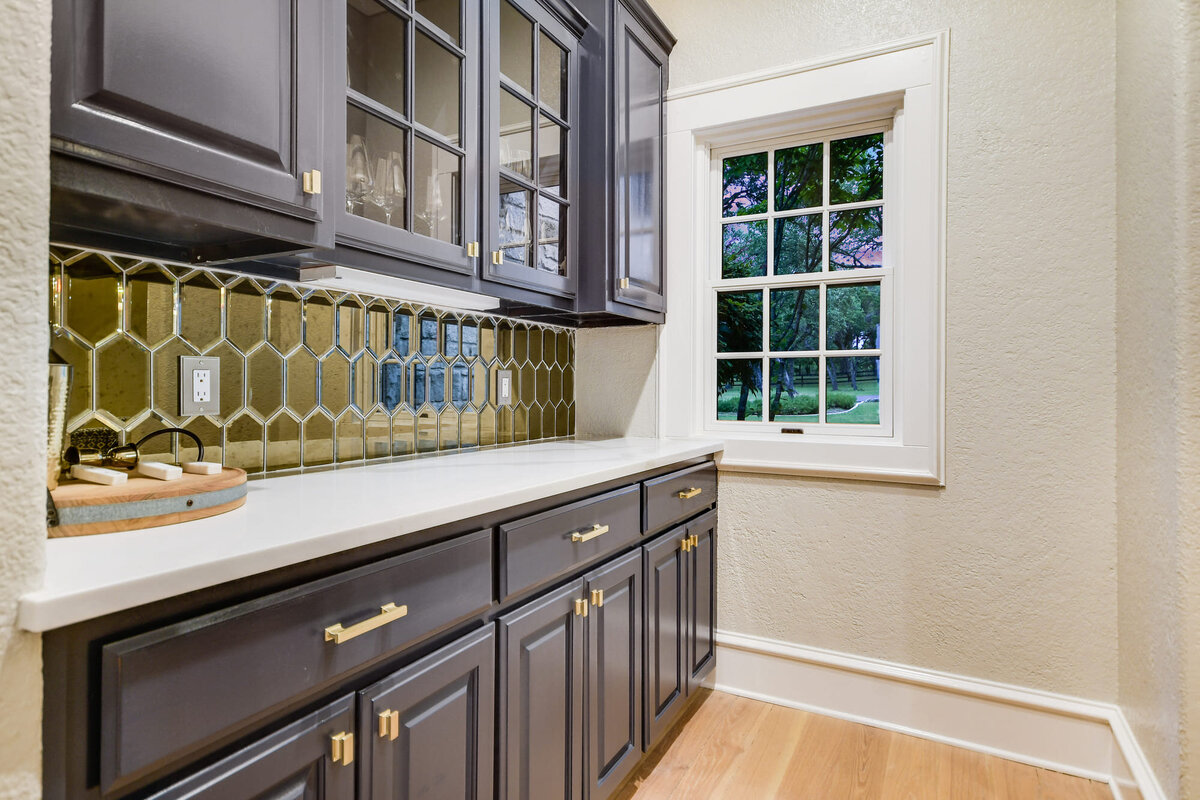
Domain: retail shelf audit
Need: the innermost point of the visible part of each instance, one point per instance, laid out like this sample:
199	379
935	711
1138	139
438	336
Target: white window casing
900	88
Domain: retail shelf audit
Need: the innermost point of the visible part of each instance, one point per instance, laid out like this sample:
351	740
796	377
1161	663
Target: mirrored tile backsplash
308	377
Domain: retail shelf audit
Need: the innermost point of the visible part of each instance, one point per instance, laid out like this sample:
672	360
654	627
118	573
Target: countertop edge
47	609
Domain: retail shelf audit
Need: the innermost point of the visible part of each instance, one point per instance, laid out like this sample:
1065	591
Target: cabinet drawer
540	548
674	497
173	691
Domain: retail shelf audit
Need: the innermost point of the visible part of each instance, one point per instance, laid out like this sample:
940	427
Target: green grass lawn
863	414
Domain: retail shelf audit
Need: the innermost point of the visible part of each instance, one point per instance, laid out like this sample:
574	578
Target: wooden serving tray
88	508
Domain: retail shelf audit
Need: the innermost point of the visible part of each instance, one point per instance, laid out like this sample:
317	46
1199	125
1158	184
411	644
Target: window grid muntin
882	276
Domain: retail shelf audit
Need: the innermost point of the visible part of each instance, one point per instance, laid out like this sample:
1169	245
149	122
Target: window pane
437	85
798	176
852	317
552	149
856	169
515	204
744	249
739	322
516	134
552	75
795	319
798	244
552	227
375	186
745	185
443	13
739	389
516	46
437	186
852	390
856	238
795	389
376	50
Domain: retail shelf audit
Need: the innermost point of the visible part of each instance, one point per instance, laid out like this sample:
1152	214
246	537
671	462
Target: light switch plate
199	385
504	387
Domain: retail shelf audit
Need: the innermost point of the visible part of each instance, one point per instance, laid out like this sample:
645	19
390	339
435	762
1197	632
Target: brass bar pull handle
686	545
581	608
497	256
342	748
312	181
473	250
587	536
597	597
694	541
389	613
688	494
389	725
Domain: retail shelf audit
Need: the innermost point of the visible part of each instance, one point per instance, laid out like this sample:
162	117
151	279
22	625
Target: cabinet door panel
442	711
614	676
291	764
702	599
666	629
224	96
541	647
641	81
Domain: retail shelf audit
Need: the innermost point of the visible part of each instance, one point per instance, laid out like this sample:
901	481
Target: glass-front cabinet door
411	138
530	191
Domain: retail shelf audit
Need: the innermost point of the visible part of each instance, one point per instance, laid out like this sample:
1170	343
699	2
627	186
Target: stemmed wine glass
389	189
358	173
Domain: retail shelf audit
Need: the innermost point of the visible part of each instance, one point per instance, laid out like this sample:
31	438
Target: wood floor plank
733	748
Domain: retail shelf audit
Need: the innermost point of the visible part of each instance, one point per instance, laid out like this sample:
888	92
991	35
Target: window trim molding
905	81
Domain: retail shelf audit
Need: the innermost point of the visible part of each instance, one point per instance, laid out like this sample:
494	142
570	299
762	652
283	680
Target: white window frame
901	85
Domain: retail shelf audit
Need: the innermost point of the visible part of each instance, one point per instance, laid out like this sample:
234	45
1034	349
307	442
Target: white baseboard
1065	734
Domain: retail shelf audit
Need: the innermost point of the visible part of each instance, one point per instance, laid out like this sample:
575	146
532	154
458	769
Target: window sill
862	459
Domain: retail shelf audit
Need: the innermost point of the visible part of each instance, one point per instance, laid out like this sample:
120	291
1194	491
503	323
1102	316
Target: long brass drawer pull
688	494
342	748
389	613
587	536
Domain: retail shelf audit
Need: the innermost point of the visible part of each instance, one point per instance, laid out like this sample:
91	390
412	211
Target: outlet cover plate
188	406
504	387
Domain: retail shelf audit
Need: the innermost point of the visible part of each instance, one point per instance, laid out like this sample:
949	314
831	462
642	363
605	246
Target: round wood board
89	508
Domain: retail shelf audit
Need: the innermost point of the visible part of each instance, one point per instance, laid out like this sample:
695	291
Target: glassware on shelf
388	190
358	174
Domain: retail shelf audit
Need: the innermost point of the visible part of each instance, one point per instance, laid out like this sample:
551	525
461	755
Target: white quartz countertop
294	518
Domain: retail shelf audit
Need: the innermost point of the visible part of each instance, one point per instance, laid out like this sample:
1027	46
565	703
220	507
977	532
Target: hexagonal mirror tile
200	310
301	382
349	439
244	447
264	382
378	429
92	291
285	319
351	326
150	305
283	442
335	383
245	315
319	323
379	328
122	379
317	438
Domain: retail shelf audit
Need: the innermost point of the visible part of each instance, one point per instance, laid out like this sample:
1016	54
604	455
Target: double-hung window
800	279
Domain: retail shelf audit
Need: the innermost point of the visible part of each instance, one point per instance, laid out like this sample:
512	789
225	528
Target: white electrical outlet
504	387
199	385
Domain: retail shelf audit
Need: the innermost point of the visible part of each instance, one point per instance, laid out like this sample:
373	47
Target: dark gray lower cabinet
541	707
294	763
614	673
430	726
702	599
665	565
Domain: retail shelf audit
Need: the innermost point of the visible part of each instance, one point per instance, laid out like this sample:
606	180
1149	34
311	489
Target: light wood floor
731	747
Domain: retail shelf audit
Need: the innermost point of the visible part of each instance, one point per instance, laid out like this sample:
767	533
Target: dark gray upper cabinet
430	726
614	673
404	129
541	705
531	124
223	98
295	763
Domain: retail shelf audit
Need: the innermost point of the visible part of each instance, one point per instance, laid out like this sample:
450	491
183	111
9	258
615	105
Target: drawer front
673	498
540	548
171	692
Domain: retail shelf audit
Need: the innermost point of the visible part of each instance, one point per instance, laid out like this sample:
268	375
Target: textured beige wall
1009	573
616	378
1158	365
24	211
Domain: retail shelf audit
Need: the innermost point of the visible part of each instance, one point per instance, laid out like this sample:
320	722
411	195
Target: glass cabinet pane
552	148
552	230
446	14
516	46
436	190
375	168
376	53
437	86
515	203
552	75
516	135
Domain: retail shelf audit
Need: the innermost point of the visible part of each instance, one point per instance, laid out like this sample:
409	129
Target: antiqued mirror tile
211	437
470	339
283	442
92	290
244	446
487	426
379	328
450	331
245	315
504	425
468	427
534	423
319	323
427	431
460	388
526	392
569	383
123	379
402	321
562	421
535	346
487	340
150	305
563	348
233	372
301	382
556	389
541	380
391	384
404	433
285	320
520	424
317	437
349	437
504	340
159	448
200	310
439	391
378	434
166	377
479	384
521	343
351	326
549	343
335	383
79	399
264	382
364	383
448	429
429	335
418	386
